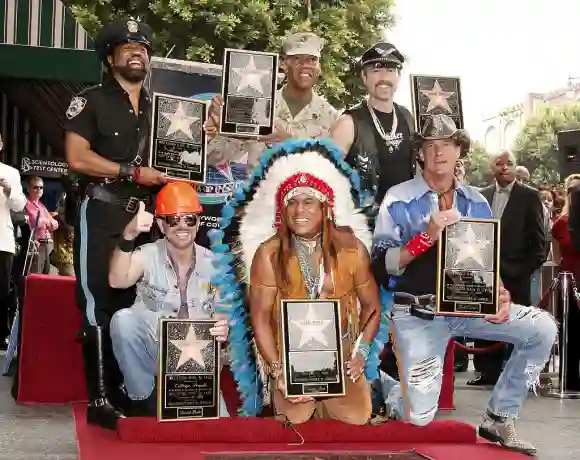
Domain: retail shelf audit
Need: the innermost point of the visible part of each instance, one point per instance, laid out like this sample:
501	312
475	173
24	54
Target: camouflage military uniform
312	122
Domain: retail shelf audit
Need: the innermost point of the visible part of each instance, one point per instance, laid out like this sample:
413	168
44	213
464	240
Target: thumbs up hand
141	223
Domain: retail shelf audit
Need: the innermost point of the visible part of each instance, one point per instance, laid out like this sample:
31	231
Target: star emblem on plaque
433	95
468	268
178	141
312	348
249	84
188	377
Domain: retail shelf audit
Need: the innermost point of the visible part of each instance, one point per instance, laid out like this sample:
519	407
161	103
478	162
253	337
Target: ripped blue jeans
420	349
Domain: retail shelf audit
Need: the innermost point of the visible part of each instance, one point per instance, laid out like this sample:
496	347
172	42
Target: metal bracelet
274	370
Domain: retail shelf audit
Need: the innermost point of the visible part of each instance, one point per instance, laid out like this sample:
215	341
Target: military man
375	134
299	112
107	132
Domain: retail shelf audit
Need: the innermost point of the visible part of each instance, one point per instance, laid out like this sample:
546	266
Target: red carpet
51	364
442	440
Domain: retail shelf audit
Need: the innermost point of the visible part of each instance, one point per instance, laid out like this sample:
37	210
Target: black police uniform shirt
104	116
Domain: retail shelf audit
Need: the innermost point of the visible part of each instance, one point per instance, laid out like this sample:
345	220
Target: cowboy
375	135
410	221
173	278
107	141
302	237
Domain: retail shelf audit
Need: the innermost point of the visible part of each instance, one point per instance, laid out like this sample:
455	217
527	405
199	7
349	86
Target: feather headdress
252	216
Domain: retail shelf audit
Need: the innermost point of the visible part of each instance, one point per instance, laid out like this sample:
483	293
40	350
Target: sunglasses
37	187
189	219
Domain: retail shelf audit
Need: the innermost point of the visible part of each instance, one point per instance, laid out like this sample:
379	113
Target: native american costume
292	167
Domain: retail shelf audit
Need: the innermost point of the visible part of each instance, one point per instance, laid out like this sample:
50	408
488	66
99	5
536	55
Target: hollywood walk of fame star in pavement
250	76
470	246
438	97
312	328
191	348
180	121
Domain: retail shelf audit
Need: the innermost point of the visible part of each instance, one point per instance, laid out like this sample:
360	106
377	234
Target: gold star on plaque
469	246
180	122
312	327
191	348
250	76
438	97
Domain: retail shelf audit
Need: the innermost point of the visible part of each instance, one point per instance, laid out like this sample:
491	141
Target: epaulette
88	90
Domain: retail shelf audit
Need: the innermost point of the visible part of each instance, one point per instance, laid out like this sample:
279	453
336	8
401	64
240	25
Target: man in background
47	225
522	174
523	248
12	199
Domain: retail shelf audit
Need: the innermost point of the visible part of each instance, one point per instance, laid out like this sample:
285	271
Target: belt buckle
132	205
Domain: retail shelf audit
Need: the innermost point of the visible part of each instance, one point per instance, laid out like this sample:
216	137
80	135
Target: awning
41	39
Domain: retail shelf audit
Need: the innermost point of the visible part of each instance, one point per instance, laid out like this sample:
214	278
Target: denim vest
158	290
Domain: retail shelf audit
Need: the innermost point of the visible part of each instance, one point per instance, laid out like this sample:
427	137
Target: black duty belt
129	204
422	306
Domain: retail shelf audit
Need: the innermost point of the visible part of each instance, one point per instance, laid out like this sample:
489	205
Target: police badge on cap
382	53
119	32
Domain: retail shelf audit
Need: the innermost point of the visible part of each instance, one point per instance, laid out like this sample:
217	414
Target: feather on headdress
253	215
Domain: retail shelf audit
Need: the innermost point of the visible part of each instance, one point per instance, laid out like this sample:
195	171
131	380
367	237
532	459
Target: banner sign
43	166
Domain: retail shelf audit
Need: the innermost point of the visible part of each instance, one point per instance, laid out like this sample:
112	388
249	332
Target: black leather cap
382	52
122	31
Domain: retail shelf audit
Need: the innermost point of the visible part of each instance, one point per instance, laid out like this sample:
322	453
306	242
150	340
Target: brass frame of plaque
247	103
181	147
179	409
331	385
487	276
452	85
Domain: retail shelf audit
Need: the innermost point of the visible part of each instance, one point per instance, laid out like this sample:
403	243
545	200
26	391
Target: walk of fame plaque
312	348
468	268
249	83
433	95
178	140
188	382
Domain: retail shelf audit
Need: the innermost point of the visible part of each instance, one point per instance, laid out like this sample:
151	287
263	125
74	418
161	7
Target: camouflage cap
305	43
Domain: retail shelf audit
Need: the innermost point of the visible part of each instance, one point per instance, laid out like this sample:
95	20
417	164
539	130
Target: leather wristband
126	245
130	173
419	244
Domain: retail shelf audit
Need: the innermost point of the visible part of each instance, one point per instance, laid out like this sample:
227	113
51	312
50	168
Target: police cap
382	52
119	32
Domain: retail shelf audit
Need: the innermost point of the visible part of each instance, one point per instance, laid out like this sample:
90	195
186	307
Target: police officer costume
381	149
104	116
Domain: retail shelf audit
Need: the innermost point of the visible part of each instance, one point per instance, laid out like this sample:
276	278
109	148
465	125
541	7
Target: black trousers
490	364
98	229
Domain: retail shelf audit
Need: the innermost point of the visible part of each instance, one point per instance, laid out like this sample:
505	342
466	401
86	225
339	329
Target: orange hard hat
177	198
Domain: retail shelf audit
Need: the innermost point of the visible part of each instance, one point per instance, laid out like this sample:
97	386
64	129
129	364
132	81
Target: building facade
501	129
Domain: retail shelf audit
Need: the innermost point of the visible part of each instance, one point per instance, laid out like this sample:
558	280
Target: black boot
100	411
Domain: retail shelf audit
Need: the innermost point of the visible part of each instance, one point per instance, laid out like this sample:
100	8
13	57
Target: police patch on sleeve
75	107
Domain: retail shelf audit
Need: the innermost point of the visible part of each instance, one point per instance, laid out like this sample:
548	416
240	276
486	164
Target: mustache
385	82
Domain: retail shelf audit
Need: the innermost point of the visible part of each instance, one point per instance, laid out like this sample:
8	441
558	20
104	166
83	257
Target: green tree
536	145
200	30
477	170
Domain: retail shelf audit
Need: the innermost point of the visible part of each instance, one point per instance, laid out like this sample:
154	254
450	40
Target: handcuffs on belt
422	306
